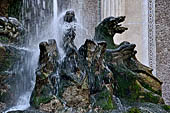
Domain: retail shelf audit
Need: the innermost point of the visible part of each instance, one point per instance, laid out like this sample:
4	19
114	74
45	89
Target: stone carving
108	28
69	31
89	77
69	16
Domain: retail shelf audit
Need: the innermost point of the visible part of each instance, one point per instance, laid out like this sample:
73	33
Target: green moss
166	107
145	85
125	82
104	100
41	99
134	110
4	40
7	62
147	96
135	92
150	97
128	88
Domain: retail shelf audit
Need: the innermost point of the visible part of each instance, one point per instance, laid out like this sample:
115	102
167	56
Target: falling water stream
24	70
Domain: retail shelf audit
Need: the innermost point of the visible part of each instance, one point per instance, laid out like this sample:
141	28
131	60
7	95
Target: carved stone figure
91	76
106	30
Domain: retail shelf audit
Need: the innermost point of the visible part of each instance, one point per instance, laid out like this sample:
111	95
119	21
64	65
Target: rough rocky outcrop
9	57
133	79
48	64
93	77
10	31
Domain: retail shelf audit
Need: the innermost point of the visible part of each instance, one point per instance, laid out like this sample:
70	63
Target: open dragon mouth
115	25
120	29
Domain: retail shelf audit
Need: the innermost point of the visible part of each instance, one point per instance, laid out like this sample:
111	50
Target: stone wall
163	45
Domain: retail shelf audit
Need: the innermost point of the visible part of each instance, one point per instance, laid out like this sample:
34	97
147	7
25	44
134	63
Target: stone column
151	34
112	8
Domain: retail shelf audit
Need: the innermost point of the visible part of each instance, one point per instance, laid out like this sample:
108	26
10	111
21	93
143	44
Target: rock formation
89	78
10	30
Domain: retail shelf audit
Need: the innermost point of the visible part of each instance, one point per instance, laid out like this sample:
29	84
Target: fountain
54	73
26	66
85	79
24	69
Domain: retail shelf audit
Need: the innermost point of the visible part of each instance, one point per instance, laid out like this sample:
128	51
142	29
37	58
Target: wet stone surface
100	76
88	77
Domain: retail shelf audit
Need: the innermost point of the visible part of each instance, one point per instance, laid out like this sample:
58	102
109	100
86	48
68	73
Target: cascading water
25	68
24	71
78	6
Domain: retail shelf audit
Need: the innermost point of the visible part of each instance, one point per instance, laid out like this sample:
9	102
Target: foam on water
22	103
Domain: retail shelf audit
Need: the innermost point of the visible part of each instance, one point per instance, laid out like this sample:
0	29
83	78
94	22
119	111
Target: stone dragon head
111	25
106	30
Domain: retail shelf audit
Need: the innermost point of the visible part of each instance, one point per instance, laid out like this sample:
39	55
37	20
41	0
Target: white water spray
26	70
57	29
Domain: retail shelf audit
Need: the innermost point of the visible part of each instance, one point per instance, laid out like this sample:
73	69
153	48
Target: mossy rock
141	94
166	107
41	100
125	81
134	110
8	57
127	86
151	83
42	93
4	39
145	85
151	97
104	100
